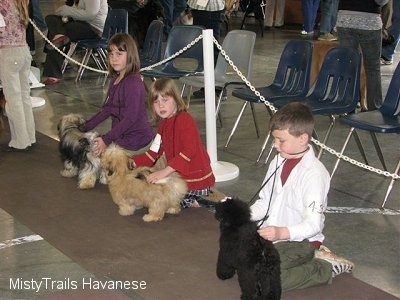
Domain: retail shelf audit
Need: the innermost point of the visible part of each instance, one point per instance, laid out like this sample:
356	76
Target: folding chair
179	37
239	46
116	22
384	120
292	79
151	51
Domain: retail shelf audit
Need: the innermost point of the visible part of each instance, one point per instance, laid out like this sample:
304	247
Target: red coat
179	138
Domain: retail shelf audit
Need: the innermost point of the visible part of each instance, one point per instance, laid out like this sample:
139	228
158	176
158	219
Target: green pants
299	268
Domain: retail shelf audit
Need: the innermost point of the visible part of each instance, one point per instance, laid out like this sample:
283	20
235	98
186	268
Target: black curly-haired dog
242	250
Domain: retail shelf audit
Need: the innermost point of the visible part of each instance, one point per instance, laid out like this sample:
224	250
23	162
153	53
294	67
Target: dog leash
252	200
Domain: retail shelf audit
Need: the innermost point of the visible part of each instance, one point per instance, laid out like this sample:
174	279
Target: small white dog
76	152
130	190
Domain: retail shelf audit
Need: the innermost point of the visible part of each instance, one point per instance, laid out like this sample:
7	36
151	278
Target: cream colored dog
130	190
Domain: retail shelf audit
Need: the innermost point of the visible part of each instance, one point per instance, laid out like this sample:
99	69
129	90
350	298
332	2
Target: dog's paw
103	178
173	210
151	218
126	210
87	183
68	173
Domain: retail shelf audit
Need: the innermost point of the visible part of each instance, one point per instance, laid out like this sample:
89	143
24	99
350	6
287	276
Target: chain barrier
196	40
243	78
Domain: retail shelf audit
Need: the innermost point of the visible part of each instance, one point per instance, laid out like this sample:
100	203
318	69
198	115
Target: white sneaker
303	32
339	264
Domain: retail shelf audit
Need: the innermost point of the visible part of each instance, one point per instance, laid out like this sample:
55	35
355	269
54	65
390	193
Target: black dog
242	250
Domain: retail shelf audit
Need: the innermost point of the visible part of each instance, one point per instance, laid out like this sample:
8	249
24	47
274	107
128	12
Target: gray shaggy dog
76	153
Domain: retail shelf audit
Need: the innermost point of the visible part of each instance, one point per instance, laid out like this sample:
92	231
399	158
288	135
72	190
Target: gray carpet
176	257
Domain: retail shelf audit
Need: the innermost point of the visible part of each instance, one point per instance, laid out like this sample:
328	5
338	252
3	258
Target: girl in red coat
179	139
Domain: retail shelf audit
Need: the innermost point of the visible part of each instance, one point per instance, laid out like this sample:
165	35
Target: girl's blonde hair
22	7
124	42
165	87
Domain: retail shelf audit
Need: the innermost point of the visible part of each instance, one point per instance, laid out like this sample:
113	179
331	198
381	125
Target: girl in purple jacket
126	100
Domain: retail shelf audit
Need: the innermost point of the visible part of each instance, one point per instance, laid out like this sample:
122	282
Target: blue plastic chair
384	120
116	22
179	37
151	51
292	79
337	88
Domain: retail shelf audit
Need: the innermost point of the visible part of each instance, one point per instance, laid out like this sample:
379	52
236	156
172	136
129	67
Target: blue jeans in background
329	10
394	30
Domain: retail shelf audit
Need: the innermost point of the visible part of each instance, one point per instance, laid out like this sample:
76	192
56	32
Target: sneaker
385	61
339	264
303	32
327	37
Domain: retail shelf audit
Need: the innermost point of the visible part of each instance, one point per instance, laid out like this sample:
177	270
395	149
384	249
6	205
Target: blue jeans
172	10
310	8
394	30
371	44
329	10
37	15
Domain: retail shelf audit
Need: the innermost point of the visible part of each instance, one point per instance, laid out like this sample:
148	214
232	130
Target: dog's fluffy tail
178	187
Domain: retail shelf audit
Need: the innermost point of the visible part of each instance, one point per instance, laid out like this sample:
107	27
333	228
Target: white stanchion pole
223	171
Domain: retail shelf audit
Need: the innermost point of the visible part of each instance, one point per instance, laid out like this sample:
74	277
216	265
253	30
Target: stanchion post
223	171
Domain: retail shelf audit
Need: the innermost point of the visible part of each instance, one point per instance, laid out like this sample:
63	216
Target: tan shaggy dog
130	190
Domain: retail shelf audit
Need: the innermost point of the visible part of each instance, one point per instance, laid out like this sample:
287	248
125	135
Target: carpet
175	258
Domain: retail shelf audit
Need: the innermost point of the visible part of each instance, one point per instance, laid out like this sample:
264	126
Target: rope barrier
244	79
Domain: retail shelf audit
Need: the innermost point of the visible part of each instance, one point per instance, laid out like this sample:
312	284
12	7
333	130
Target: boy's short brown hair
296	117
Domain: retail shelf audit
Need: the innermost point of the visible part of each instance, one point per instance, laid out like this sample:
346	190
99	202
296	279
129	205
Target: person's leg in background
270	12
386	15
38	16
30	36
309	8
280	13
329	9
389	50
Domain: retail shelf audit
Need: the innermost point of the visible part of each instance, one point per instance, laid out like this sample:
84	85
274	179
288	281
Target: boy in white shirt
290	211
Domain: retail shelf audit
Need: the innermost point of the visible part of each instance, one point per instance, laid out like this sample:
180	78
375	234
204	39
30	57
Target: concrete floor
355	227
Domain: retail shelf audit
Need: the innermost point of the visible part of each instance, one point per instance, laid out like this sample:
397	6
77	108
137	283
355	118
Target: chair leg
84	61
269	154
255	119
264	145
342	151
360	147
328	133
396	171
236	123
378	149
70	52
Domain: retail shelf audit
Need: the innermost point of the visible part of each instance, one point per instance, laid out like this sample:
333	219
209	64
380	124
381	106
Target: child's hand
274	233
158	175
99	147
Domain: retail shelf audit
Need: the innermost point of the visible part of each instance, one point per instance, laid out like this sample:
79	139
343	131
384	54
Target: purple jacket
126	105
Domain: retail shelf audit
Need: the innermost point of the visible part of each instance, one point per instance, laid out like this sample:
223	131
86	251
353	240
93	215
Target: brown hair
125	42
296	117
165	87
22	7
